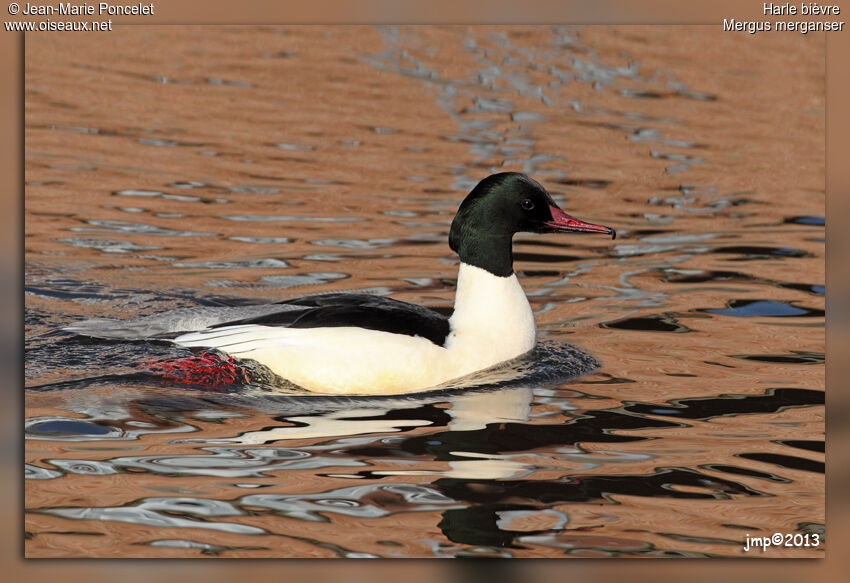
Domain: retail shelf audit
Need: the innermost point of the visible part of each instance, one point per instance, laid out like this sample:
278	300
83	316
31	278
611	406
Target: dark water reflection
674	405
477	457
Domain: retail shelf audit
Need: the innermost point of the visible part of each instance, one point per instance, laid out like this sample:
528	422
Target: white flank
492	323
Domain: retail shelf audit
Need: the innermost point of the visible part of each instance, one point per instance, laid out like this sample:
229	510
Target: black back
357	310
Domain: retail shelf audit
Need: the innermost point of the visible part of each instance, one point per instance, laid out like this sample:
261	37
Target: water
237	165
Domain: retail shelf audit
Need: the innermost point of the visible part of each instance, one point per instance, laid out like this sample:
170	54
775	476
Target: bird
361	344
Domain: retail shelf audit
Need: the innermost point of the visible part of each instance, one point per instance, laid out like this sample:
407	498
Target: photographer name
102	9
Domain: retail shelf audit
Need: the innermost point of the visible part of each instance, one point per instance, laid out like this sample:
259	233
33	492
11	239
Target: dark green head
499	206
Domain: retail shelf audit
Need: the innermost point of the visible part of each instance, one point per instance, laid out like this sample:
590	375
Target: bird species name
789	9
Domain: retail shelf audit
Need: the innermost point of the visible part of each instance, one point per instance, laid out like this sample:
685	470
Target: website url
54	26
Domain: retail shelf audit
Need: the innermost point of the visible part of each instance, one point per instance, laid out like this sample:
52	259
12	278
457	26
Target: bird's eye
527	204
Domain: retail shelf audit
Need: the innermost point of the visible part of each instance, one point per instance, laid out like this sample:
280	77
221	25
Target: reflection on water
211	179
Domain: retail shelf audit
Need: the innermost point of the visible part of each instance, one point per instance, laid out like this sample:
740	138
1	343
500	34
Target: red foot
205	369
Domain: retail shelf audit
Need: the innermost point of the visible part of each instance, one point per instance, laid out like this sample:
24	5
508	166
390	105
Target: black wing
358	310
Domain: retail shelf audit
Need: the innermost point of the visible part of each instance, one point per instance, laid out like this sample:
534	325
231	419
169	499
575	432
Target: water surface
169	168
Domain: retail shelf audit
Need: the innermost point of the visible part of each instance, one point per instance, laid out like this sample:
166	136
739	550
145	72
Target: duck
361	344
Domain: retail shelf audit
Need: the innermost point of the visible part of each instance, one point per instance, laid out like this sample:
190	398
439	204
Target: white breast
492	321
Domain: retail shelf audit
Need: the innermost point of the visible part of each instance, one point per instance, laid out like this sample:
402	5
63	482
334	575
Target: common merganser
340	343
